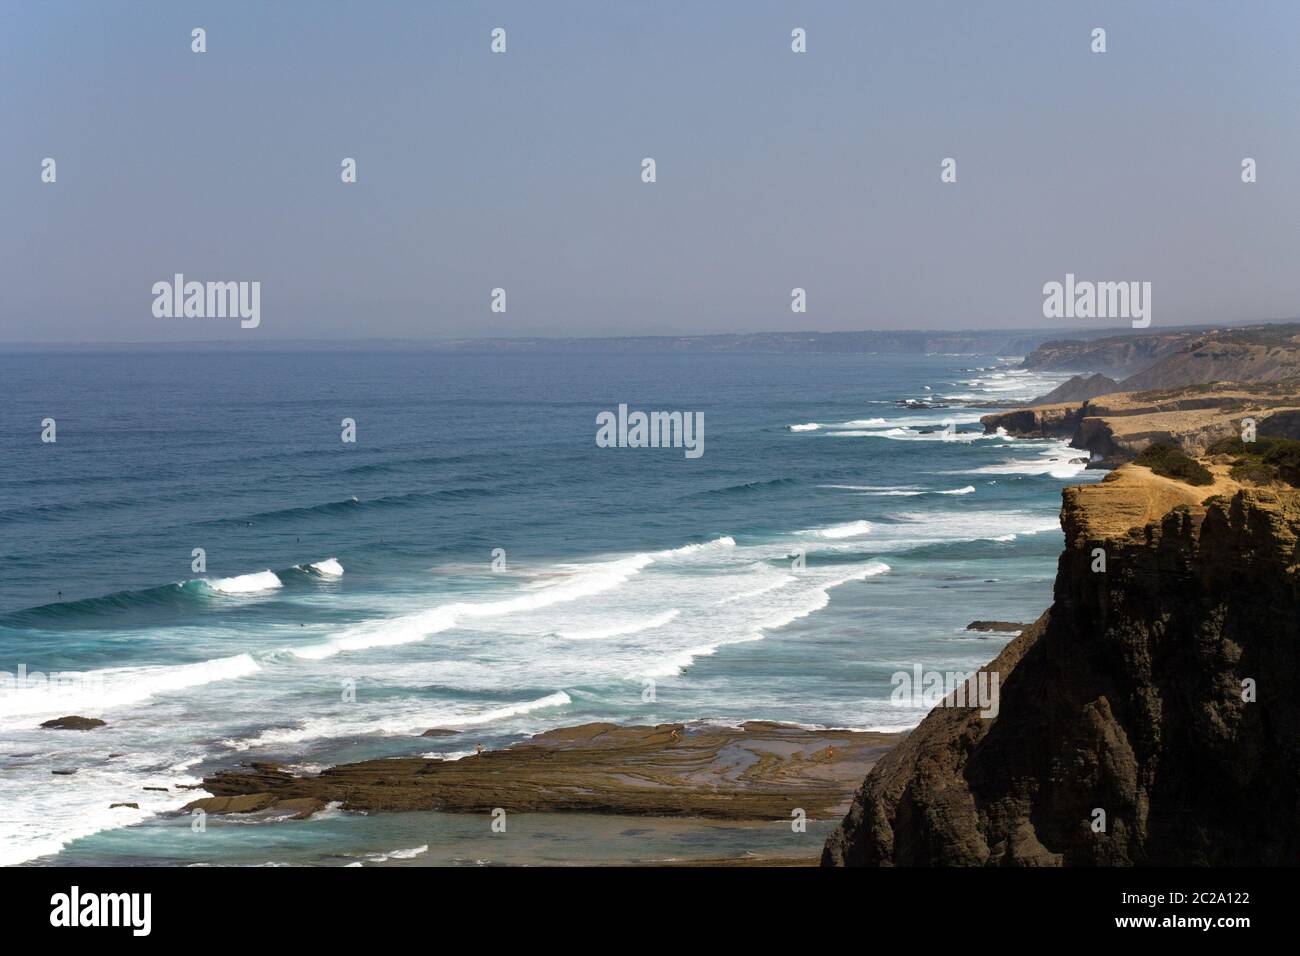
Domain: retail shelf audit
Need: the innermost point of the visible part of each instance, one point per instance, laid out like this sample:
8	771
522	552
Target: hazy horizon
522	170
332	343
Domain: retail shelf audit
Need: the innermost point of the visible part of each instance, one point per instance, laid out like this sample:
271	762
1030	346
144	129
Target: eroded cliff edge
1125	696
1116	427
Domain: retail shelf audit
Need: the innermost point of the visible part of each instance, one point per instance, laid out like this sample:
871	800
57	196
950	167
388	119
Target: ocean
474	561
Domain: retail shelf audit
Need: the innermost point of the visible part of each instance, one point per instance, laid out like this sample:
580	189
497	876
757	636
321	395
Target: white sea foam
851	529
789	605
677	662
915	488
90	693
245	583
405	724
54	814
907	530
726	542
409	854
329	568
1003	382
904	428
388	632
904	491
820	597
497	647
1056	461
908	434
910	529
935	419
778	582
580	581
619	630
793	608
864	423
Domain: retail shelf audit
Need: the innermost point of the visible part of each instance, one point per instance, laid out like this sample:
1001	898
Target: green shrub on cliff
1262	460
1284	455
1164	459
1235	446
1254	472
1256	449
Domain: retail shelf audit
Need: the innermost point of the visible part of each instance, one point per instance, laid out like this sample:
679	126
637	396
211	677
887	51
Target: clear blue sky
523	170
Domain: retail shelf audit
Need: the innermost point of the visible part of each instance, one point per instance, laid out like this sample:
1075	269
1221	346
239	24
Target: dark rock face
1222	358
73	723
1126	696
1115	355
1079	389
1284	424
1257	353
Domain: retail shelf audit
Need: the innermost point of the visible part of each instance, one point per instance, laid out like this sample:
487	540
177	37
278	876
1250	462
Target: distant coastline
983	341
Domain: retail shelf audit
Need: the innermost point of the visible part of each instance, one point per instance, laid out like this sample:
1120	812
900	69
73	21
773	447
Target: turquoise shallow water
350	600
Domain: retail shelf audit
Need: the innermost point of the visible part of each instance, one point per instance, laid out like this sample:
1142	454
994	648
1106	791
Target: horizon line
262	342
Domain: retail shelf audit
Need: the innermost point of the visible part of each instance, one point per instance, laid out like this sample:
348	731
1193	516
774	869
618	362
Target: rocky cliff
1230	356
1115	428
1127	731
1113	355
1253	353
1080	388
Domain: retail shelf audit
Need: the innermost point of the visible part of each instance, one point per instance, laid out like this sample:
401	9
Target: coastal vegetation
1170	462
1263	460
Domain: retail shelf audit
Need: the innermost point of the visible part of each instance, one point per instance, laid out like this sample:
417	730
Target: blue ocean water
350	599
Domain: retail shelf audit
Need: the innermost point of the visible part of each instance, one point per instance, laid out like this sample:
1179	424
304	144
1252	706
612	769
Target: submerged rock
298	808
247	803
73	723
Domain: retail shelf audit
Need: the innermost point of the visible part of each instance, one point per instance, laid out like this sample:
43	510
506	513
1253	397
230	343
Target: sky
522	170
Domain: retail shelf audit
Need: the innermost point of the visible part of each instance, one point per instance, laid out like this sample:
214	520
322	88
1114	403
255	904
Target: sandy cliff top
1132	496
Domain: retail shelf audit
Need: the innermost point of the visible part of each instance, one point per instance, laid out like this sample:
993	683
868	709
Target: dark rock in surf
73	723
